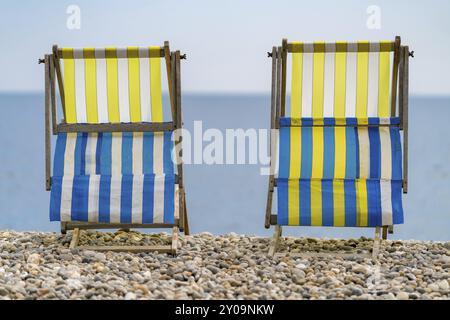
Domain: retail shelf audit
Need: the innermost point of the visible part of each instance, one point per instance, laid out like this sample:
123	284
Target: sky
225	41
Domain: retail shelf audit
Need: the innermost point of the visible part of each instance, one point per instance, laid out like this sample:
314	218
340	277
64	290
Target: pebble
360	269
434	287
38	265
66	257
34	258
443	285
402	295
130	296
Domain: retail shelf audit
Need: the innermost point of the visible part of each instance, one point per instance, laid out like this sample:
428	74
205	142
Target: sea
225	198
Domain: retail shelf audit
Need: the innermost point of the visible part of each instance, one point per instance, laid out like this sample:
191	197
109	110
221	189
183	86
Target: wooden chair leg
186	222
385	232
63	227
174	240
391	229
75	238
376	243
275	240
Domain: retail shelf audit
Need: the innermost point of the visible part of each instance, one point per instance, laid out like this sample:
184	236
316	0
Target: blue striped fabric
71	197
357	153
344	175
376	204
114	178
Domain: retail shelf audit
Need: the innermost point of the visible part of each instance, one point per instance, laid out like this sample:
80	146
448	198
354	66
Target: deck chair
113	165
336	158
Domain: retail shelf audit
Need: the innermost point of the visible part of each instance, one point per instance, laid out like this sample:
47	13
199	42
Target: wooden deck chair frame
53	74
400	87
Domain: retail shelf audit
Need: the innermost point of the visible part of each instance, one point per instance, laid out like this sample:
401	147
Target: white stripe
385	120
144	82
372	93
158	200
328	98
102	92
158	149
80	87
137	198
124	100
69	154
116	153
350	83
177	202
115	199
386	202
94	195
364	153
138	144
386	153
307	81
144	52
66	197
91	151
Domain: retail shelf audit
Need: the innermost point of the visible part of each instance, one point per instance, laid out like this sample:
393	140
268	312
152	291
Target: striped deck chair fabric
112	85
340	155
119	177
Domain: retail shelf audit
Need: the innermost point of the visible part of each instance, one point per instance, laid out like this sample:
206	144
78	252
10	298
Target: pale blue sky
225	41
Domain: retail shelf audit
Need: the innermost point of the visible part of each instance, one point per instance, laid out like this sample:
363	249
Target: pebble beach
36	265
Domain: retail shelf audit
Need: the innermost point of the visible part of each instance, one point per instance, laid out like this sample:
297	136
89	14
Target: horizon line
220	93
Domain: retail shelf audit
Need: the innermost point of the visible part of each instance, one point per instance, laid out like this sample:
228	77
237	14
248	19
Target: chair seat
139	199
344	172
114	178
339	202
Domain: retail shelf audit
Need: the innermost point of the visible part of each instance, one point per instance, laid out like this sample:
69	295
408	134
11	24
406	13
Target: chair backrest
341	80
112	85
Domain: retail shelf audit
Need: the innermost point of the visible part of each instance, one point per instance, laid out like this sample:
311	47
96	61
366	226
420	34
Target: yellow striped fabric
361	203
112	85
69	85
133	83
384	81
318	77
91	85
339	152
316	202
341	79
362	77
296	84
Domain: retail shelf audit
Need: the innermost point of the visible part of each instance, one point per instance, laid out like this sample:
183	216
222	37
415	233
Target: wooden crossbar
276	239
116	127
172	248
94	225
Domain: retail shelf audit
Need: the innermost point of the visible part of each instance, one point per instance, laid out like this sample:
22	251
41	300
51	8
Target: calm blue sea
228	198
